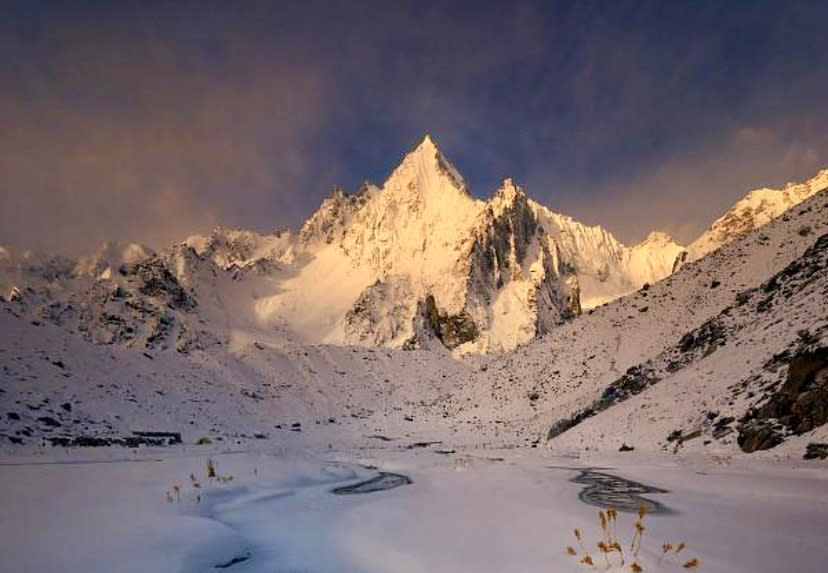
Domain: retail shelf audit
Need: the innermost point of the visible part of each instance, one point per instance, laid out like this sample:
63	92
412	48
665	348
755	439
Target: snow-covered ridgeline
415	262
754	210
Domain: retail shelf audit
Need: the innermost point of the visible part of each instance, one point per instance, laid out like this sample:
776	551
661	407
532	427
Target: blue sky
150	121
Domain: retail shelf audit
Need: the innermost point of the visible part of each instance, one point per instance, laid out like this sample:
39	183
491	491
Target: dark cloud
150	121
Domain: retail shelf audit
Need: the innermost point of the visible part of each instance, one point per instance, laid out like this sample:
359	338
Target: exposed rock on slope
799	406
758	360
119	296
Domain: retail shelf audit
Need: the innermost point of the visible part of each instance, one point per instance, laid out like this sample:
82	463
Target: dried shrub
612	550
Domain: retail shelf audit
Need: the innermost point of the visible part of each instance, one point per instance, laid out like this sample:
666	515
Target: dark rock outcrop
815	451
137	439
451	330
799	406
159	282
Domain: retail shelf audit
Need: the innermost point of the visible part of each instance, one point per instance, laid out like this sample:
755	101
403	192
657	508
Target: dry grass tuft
212	473
610	546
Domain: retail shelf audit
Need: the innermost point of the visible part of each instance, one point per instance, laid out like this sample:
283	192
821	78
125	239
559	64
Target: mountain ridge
753	210
413	262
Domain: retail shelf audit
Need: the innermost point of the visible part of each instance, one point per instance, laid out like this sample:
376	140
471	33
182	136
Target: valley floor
467	509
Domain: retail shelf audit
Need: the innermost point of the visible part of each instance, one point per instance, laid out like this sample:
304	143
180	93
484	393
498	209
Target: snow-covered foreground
474	510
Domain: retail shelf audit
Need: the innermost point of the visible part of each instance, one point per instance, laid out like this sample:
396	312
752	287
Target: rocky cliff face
136	304
517	286
327	225
243	251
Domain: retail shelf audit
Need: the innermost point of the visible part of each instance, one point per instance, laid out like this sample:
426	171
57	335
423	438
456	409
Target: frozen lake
470	511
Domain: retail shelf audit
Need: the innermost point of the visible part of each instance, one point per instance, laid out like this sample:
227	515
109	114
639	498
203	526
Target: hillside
240	385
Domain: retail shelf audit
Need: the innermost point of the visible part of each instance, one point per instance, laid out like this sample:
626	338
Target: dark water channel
605	490
385	480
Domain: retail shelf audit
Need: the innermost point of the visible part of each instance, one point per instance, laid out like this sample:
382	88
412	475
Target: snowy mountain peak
507	196
658	237
426	152
428	145
509	187
109	257
424	168
813	185
337	193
